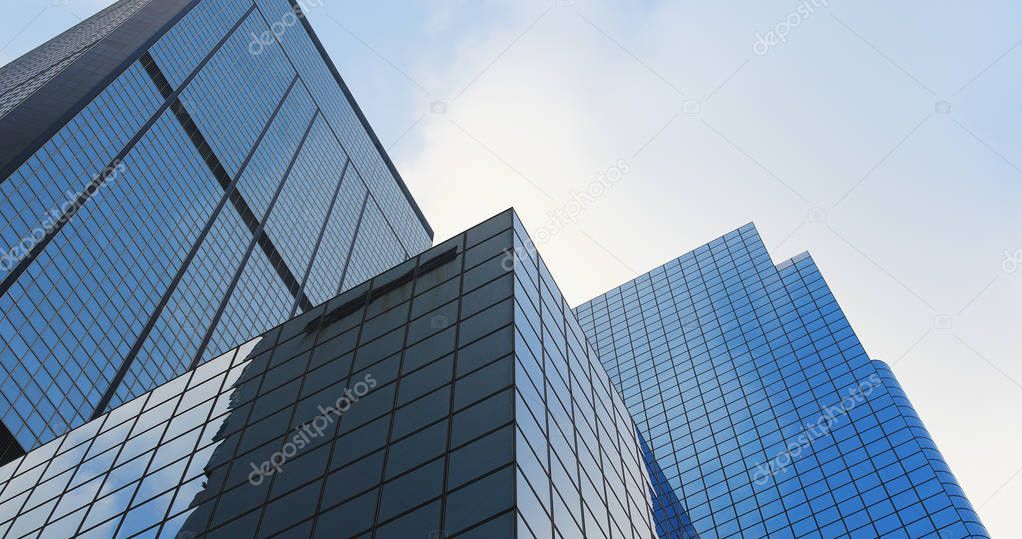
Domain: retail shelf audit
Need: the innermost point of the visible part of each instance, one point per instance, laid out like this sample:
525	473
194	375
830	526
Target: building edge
362	118
47	110
966	512
43	113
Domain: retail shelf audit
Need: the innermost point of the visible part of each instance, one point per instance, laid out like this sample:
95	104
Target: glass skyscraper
759	411
452	396
175	177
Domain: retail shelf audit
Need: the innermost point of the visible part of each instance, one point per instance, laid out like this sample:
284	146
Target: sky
883	137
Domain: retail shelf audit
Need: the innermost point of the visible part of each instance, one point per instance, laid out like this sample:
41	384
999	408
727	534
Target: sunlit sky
883	137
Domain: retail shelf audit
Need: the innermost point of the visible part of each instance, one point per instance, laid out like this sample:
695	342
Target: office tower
175	176
760	412
451	396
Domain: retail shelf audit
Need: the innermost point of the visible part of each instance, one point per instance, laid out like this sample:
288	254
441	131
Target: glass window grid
222	98
185	44
378	316
795	331
259	181
25	75
246	307
374	246
47	184
109	260
550	353
327	268
260	299
84	147
301	208
186	317
366	157
120	420
261	374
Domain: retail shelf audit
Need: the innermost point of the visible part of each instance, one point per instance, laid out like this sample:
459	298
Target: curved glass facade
176	176
761	408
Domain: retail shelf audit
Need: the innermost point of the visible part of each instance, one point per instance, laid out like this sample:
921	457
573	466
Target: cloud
915	205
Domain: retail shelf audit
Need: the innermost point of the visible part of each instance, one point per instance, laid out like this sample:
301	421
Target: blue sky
884	137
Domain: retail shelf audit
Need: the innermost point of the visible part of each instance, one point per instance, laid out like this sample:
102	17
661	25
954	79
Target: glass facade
220	181
453	395
580	468
760	413
178	175
33	70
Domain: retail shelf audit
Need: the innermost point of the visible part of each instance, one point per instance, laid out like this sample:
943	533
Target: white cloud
929	215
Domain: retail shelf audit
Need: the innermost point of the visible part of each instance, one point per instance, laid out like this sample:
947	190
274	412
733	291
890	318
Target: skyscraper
175	176
453	395
179	175
760	412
